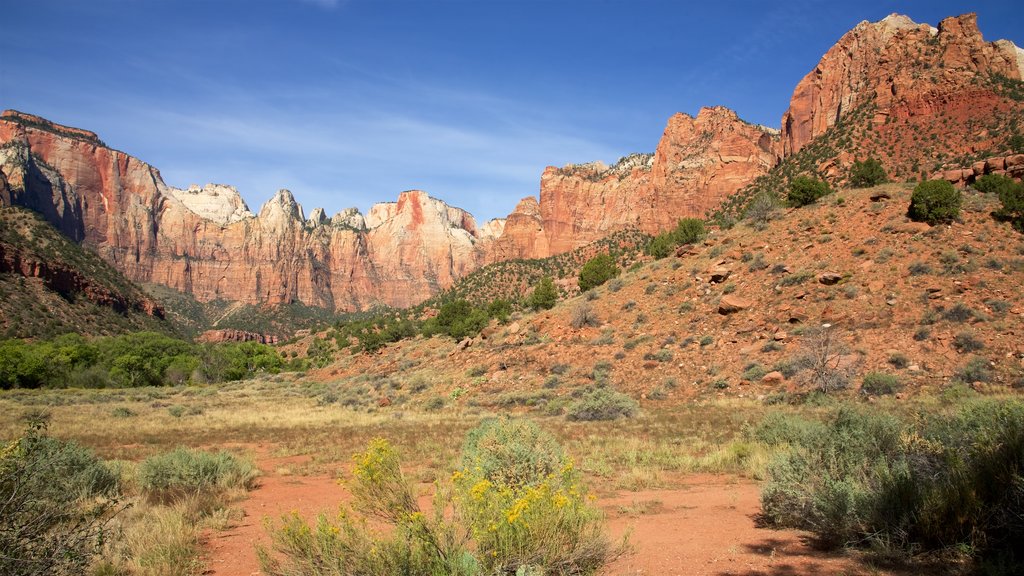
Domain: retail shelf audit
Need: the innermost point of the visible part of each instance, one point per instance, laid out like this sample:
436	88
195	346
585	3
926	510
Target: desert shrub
460	319
753	372
880	384
993	184
804	190
899	360
544	295
934	202
511	452
967	342
919	268
170	475
602	403
584	315
689	230
56	499
778	429
761	210
867	173
959	312
822	357
940	481
597	271
536	522
976	369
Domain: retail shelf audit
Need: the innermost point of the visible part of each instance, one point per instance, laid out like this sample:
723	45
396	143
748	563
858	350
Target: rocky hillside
746	312
918	98
50	285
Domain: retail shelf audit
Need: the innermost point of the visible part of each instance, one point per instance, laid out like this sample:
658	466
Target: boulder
730	304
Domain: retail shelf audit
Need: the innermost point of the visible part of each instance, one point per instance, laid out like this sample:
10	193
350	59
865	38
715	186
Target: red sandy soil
706	527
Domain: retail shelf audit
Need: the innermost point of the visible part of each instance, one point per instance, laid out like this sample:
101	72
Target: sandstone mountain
206	242
919	98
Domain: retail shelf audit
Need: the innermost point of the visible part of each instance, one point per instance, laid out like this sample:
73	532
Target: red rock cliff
204	241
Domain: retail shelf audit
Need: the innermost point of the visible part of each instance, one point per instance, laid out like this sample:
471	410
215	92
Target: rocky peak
217	202
318	217
901	67
349	218
281	207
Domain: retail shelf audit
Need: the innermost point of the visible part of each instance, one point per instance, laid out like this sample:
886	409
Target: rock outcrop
913	93
698	163
232	335
206	242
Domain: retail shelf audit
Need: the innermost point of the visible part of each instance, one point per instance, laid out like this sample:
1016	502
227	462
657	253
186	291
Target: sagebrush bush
55	500
183	471
880	384
511	452
936	482
934	202
602	403
584	315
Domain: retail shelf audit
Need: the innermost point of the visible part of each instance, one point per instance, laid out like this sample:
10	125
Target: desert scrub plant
584	315
823	357
56	500
880	384
536	521
938	482
168	476
934	202
602	403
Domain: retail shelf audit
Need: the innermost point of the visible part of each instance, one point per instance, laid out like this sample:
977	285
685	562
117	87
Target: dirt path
707	527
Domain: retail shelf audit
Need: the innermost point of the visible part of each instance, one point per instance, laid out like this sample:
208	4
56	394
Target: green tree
544	295
597	271
934	202
867	173
1012	197
804	190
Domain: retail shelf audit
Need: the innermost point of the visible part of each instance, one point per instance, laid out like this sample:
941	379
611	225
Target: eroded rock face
698	163
905	69
206	242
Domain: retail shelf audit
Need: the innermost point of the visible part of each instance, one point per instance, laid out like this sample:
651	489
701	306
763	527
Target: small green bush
867	173
597	271
804	190
170	475
934	202
602	404
880	384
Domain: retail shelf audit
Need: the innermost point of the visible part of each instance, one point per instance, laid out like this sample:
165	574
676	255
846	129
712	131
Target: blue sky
349	102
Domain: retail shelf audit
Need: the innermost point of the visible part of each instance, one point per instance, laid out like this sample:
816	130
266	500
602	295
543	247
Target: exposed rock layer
204	241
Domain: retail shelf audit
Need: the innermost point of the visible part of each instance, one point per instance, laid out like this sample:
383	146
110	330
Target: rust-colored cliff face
698	163
909	79
204	241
